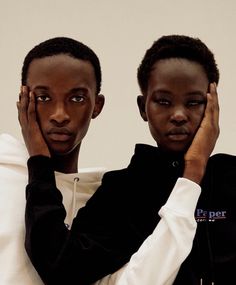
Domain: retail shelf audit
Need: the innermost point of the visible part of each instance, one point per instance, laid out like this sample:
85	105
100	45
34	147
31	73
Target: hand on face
31	132
205	139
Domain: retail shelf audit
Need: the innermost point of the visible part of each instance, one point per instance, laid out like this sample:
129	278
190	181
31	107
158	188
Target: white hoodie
15	266
157	261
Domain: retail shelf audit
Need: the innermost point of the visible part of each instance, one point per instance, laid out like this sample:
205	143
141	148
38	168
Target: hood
85	175
12	151
77	188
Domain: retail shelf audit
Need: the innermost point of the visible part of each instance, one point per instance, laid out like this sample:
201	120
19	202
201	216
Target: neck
67	163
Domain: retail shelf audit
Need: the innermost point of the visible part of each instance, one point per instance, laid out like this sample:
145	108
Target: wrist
194	170
38	150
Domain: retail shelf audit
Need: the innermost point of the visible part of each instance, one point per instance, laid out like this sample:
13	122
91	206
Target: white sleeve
160	256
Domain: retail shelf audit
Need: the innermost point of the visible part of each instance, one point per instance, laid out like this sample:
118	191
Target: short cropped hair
63	45
177	46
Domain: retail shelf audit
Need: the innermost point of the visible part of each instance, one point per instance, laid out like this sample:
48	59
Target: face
174	103
66	100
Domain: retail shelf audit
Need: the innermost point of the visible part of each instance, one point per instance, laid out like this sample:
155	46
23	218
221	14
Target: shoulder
223	156
223	159
115	174
112	186
222	165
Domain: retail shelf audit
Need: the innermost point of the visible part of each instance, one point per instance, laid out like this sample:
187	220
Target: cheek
198	116
157	122
42	115
156	115
81	128
151	110
39	115
82	119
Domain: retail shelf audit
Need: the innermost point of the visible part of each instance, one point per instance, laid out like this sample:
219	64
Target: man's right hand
31	132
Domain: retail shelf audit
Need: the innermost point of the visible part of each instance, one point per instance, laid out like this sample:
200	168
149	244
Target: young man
55	115
16	268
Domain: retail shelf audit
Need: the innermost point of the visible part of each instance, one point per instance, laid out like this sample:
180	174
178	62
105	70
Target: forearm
44	217
59	255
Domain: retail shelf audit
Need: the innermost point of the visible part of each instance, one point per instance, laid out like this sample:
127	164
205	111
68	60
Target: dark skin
56	108
34	122
174	105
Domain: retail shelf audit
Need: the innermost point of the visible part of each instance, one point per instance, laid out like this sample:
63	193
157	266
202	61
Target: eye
193	103
78	98
163	102
43	98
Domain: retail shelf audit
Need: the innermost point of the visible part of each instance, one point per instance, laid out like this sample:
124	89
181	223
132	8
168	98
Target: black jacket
122	213
213	257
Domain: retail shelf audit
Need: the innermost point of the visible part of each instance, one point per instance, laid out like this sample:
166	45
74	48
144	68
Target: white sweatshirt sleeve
159	258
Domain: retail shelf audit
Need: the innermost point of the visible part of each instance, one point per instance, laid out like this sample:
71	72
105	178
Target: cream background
119	32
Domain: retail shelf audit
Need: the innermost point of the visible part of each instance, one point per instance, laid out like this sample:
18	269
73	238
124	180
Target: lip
59	134
178	135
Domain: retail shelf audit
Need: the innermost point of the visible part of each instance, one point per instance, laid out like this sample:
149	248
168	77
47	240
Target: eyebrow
162	91
166	92
197	93
41	87
73	90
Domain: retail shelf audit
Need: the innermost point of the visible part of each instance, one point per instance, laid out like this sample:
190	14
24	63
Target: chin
177	148
58	153
61	151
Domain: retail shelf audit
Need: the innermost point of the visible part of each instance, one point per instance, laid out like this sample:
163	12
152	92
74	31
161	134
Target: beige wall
119	32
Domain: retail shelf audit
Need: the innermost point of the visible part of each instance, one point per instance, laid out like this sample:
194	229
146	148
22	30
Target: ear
99	103
141	101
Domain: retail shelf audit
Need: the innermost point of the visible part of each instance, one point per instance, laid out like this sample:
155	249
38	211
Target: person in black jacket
177	77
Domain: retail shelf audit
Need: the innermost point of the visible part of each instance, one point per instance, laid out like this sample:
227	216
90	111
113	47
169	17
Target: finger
212	109
18	102
19	107
213	92
31	108
213	102
19	96
23	106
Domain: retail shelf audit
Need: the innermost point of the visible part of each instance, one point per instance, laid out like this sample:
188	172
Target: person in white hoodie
175	232
16	267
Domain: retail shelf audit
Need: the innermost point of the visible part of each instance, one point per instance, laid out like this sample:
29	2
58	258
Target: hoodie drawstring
71	214
201	282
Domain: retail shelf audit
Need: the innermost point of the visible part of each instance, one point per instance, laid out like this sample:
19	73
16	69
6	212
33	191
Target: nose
60	115
179	116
